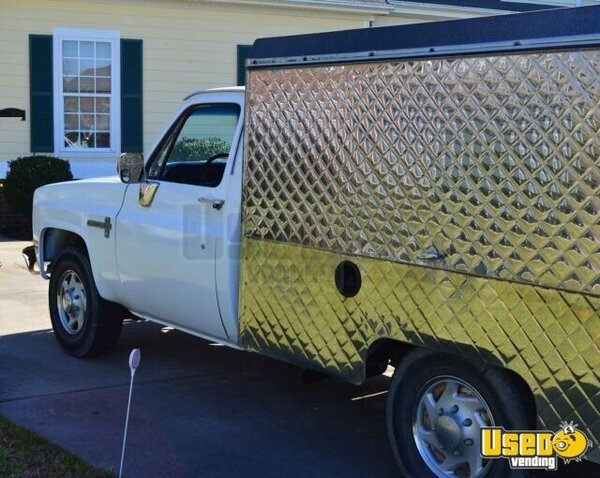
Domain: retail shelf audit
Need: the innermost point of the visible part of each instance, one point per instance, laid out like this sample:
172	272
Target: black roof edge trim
517	28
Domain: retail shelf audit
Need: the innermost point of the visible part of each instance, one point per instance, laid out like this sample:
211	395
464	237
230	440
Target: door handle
215	203
431	254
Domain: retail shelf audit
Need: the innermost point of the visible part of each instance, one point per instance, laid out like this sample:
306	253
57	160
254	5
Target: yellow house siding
14	90
187	46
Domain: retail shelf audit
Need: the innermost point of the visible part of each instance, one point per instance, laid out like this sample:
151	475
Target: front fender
65	208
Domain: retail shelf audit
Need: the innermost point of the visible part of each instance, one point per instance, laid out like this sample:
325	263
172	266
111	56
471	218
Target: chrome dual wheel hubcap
447	427
71	302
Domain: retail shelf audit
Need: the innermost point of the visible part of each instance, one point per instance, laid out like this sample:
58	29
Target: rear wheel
436	408
83	322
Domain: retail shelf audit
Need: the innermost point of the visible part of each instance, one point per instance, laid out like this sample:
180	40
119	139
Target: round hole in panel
347	278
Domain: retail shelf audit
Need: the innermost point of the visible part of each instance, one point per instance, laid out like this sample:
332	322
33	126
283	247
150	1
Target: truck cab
166	248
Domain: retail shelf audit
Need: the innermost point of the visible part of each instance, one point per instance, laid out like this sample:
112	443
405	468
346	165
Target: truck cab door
166	242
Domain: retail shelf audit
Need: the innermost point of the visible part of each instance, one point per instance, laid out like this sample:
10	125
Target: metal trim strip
562	43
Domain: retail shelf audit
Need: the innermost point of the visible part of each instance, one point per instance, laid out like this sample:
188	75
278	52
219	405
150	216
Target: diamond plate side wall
494	160
292	310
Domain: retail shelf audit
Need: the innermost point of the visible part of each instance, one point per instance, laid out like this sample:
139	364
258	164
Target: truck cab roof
224	89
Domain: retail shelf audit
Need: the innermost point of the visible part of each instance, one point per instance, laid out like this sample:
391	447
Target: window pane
102	50
87	85
103	140
71	104
102	122
102	85
87	139
87	49
87	123
207	132
70	49
70	67
87	104
71	84
71	121
71	139
103	68
102	105
91	141
86	68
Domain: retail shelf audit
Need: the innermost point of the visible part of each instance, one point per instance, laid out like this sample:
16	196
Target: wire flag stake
134	362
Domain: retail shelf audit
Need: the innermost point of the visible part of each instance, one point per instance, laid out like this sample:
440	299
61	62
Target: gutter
417	9
332	5
393	8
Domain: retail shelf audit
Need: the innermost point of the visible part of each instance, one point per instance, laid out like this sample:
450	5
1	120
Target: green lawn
24	454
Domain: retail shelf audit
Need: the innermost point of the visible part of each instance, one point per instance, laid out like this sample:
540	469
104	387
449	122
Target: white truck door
166	250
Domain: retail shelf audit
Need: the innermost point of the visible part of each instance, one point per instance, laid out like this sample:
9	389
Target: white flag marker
134	362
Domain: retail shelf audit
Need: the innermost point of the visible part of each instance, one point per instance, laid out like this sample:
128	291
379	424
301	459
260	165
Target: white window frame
77	34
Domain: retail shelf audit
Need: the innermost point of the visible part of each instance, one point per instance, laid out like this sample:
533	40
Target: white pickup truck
424	196
173	258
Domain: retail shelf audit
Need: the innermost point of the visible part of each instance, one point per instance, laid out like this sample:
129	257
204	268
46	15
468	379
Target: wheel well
389	351
530	405
55	240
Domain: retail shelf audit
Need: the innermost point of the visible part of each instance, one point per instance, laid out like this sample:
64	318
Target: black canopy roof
517	27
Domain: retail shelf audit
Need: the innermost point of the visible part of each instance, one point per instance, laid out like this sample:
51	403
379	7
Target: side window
195	152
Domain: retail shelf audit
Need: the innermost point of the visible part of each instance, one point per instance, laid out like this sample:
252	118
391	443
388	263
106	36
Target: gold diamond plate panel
292	310
492	160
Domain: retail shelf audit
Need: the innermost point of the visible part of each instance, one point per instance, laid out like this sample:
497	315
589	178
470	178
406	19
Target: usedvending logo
535	449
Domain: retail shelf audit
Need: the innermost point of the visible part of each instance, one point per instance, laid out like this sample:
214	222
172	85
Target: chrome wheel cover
447	425
71	302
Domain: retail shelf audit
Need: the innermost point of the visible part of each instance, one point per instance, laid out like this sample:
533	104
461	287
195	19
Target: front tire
436	407
84	323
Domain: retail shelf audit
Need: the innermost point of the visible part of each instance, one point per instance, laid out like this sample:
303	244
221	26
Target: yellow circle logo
570	443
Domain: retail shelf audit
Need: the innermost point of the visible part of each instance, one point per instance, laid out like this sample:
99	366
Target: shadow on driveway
199	409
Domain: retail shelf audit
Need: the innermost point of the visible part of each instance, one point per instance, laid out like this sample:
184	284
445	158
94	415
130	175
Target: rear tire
84	324
436	406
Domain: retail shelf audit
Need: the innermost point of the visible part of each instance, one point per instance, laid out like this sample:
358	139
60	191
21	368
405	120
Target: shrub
27	174
193	149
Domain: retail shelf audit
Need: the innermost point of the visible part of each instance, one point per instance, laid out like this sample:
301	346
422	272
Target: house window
86	91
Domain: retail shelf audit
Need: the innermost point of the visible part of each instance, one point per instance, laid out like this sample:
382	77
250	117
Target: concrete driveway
199	409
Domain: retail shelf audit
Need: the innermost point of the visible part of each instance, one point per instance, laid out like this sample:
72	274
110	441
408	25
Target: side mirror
131	167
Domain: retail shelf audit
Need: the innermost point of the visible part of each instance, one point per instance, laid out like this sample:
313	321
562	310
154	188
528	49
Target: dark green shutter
132	121
242	54
41	93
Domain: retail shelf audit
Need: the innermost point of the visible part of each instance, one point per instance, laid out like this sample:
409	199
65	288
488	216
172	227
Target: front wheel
436	407
83	322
